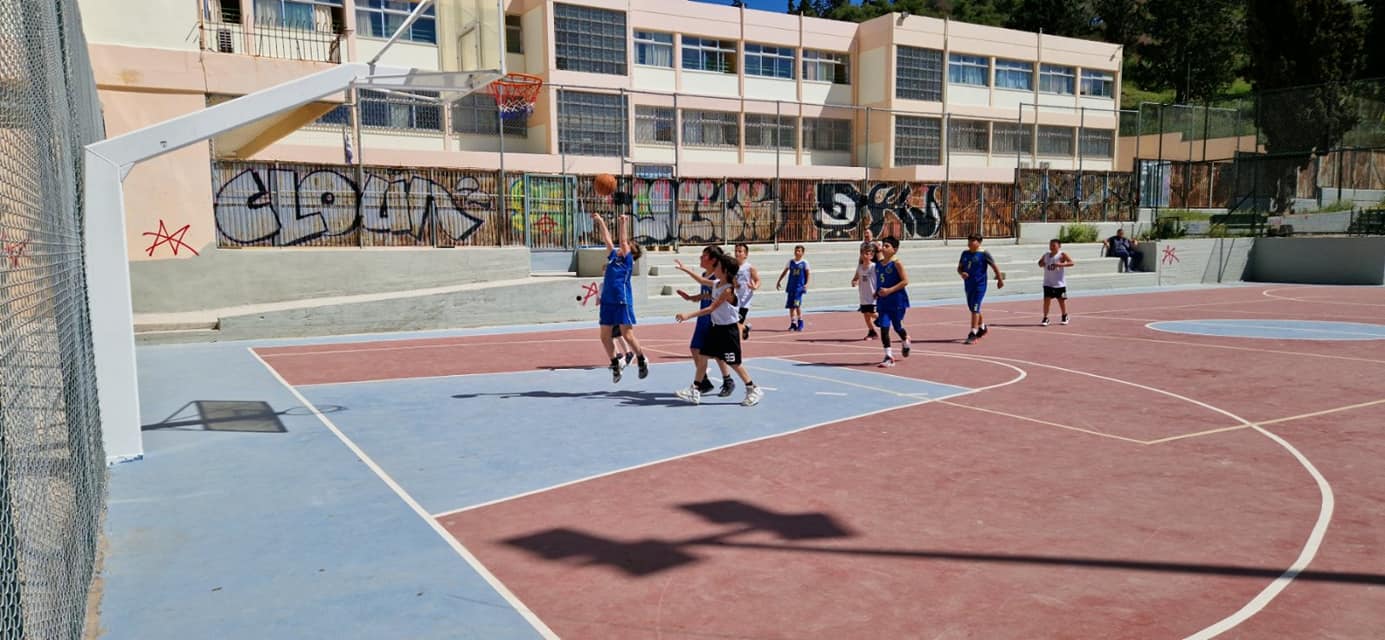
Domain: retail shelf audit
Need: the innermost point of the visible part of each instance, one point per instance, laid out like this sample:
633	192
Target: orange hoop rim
516	87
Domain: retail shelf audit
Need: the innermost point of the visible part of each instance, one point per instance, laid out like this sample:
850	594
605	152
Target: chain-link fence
52	468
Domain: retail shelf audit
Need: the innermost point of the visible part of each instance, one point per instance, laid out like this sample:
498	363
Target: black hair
799	246
729	265
742	244
890	240
975	236
636	250
1060	242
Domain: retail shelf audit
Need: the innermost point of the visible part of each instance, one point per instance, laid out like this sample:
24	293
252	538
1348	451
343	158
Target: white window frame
1007	130
1051	132
514	34
833	133
1088	138
1093	79
830	66
959	129
760	131
647	121
1007	66
962	61
722	50
1057	74
651	40
695	128
776	57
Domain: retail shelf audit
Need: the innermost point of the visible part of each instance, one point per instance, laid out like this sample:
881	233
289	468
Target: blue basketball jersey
887	275
974	264
615	287
798	275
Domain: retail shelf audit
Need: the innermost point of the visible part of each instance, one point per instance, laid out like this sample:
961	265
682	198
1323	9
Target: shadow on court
241	416
649	556
625	398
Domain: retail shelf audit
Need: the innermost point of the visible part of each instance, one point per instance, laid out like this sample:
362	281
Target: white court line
451	541
1310	547
1045	422
1268	293
1218	322
1200	345
1262	423
1022	374
833	393
442	345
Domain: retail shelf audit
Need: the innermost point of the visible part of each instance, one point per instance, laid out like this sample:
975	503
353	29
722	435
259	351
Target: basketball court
1126	475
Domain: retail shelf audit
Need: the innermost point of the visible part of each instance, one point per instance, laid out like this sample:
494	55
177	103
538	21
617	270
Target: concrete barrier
1318	260
1197	260
222	278
1042	232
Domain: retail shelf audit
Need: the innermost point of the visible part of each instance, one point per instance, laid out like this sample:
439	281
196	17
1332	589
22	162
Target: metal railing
273	41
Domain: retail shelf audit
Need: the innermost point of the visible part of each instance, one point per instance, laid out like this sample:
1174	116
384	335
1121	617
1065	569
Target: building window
1055	141
309	15
1012	137
392	111
1098	143
1056	79
702	54
964	69
1013	74
711	128
381	18
919	74
1097	83
591	124
514	34
968	136
771	62
917	140
589	39
760	131
654	49
477	113
826	134
826	66
653	125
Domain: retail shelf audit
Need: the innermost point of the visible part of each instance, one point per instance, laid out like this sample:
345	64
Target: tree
1302	55
1073	18
1375	33
1194	46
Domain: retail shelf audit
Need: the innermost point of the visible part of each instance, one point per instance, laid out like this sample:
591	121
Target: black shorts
723	343
745	311
1060	293
866	308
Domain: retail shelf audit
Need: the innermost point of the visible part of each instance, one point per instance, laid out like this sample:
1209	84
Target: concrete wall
221	278
1318	260
1197	261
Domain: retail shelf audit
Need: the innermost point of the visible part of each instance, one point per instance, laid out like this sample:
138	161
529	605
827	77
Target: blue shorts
974	297
794	300
888	317
699	337
615	313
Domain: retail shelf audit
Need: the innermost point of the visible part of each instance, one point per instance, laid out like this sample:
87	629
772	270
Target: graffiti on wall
291	206
174	240
841	207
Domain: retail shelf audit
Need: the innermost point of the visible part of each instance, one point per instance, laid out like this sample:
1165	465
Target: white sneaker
886	363
752	396
1065	318
691	394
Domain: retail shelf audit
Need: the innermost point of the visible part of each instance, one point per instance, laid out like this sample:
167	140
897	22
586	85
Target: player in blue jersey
710	256
799	274
972	268
891	298
617	301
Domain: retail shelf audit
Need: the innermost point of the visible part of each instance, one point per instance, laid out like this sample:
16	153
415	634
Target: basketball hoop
515	94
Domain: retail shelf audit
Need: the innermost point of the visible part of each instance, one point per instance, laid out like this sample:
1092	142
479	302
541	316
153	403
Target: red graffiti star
593	289
545	224
173	240
1170	256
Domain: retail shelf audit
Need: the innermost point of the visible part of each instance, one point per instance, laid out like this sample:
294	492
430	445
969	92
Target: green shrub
1164	229
1340	205
1077	232
1217	231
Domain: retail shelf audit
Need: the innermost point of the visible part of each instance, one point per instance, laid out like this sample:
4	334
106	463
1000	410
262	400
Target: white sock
889	352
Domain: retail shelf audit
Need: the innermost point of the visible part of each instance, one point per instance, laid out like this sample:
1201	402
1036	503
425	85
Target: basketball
605	184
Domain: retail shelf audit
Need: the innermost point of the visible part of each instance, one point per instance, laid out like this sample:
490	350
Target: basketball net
515	95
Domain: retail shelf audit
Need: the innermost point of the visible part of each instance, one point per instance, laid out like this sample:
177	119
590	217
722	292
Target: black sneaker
1044	323
644	368
1065	318
615	369
705	386
629	357
906	348
971	338
728	386
871	336
983	331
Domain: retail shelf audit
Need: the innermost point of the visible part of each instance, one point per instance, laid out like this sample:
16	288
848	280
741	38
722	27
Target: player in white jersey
865	284
747	281
1055	264
723	340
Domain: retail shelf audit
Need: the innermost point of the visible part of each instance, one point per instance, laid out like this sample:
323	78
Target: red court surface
1107	480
